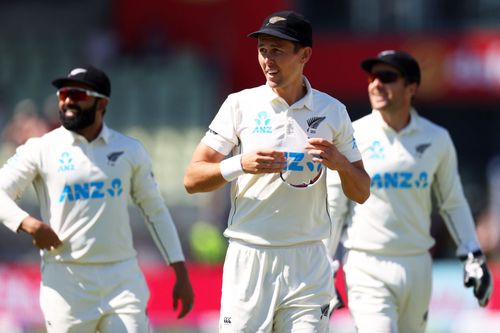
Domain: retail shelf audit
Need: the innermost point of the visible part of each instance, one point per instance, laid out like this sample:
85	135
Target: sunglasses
384	76
78	94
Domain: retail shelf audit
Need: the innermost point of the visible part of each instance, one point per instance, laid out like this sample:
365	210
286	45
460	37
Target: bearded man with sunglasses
387	265
84	174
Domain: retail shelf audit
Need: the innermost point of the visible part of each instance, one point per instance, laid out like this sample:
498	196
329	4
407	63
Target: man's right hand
263	161
43	236
183	290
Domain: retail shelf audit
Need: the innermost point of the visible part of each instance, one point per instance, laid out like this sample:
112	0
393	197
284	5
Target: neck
90	133
397	120
293	92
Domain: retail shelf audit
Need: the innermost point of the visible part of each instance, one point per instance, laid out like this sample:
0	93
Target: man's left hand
478	276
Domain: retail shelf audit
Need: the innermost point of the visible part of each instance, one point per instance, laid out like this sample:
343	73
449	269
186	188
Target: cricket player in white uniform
84	173
387	264
277	277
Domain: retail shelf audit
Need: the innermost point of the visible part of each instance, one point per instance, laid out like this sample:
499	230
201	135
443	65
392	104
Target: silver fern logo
113	157
275	19
421	148
313	123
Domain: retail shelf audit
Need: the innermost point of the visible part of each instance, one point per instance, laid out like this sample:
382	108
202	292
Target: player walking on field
277	277
84	174
387	265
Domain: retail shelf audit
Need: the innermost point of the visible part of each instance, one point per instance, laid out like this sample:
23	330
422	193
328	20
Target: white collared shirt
264	210
404	167
83	189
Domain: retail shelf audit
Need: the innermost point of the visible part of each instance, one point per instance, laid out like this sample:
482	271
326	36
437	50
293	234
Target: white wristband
231	168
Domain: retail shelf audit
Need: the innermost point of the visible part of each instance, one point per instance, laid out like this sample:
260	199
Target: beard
81	119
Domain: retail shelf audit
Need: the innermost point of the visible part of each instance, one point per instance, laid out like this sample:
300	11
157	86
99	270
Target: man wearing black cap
388	265
276	274
84	174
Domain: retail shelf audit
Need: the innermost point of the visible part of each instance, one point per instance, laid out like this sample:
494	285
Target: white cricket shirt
404	168
265	210
83	189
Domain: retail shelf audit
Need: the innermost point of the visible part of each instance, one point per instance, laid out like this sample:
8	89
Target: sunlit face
392	96
77	115
281	64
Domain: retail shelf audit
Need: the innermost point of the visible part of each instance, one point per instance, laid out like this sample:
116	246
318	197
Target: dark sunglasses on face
384	76
78	94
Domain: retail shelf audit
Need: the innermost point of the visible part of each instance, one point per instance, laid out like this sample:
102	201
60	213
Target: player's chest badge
113	157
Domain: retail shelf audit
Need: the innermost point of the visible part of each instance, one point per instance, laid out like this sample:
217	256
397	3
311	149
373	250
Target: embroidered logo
276	19
113	157
262	124
324	311
65	162
376	150
421	148
227	320
354	144
77	71
313	124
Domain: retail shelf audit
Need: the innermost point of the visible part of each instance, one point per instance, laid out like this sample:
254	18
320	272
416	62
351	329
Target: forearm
11	214
30	225
163	230
203	177
355	182
460	224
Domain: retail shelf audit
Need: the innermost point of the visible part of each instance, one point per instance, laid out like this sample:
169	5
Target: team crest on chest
376	150
65	162
262	124
313	123
421	148
113	157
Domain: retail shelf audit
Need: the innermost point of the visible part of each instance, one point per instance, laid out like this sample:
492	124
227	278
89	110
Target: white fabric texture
264	209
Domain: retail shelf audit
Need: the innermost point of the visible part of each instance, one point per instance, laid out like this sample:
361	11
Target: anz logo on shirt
376	150
65	163
263	124
91	190
295	162
400	180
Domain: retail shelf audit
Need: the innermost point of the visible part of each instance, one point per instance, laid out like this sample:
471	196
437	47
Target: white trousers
104	298
388	294
276	289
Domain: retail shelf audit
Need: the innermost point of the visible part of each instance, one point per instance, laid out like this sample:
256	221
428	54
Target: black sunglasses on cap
384	76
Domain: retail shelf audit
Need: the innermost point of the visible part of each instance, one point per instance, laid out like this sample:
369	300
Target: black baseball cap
401	60
287	25
89	75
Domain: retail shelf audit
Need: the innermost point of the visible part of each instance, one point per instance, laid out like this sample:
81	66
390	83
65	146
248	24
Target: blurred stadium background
172	63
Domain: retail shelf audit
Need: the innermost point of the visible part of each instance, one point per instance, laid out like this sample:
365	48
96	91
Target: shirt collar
413	125
414	122
304	102
104	135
